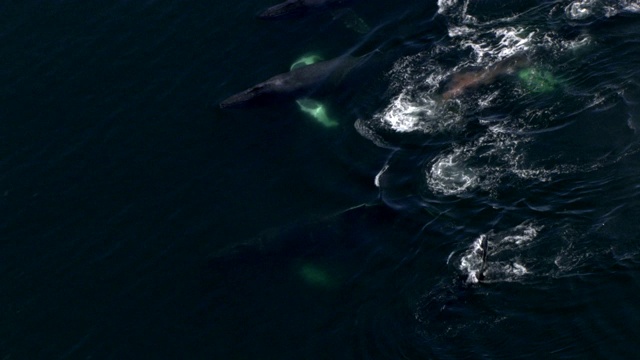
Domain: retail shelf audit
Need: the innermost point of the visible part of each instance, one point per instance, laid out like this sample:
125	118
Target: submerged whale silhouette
462	81
291	8
318	78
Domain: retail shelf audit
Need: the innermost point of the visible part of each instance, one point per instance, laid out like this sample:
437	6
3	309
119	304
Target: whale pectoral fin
317	110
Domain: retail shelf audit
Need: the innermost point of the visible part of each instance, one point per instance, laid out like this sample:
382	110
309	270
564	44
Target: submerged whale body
292	8
317	78
463	81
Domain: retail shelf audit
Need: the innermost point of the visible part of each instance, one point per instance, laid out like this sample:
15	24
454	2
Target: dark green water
140	220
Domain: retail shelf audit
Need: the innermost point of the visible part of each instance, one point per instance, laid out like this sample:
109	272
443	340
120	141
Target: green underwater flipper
316	276
538	80
317	110
305	60
309	106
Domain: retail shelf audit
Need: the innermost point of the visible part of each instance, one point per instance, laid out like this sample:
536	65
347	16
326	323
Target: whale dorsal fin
485	249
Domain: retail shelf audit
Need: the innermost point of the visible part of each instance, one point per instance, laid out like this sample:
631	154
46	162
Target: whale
463	81
295	8
316	79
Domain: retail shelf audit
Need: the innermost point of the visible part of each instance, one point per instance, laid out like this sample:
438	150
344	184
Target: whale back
460	82
318	78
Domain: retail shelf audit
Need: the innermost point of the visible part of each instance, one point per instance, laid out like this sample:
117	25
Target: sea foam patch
581	9
451	175
478	164
589	9
504	259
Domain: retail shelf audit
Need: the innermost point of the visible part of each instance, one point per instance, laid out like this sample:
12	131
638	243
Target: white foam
524	233
515	269
580	9
450	175
513	40
458	171
405	114
519	236
554	42
471	262
585	9
445	5
631	6
417	107
487	100
504	252
459	31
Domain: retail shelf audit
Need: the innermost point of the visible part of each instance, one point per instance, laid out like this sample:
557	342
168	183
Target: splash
406	114
472	262
505	254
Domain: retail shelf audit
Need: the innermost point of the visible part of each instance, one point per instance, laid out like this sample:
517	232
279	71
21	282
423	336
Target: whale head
237	100
259	95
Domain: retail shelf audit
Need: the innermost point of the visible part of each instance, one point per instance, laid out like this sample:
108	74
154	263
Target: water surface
140	220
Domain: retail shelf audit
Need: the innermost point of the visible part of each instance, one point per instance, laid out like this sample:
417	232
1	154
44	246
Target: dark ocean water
140	220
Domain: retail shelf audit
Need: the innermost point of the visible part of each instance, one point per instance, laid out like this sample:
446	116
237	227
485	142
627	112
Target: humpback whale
317	78
292	8
462	81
